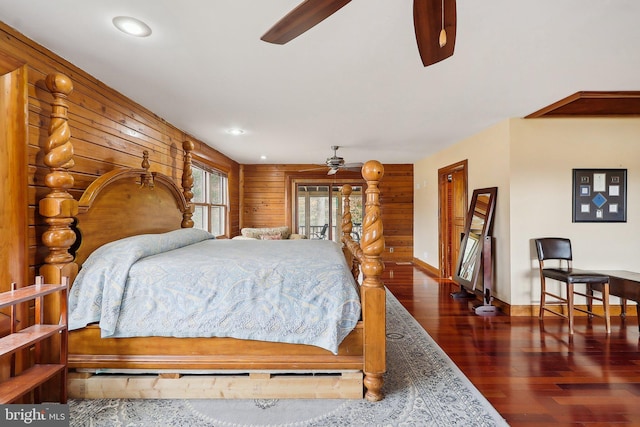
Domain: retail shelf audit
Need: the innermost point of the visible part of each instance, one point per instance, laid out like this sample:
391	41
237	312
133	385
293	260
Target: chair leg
605	303
590	300
543	288
570	306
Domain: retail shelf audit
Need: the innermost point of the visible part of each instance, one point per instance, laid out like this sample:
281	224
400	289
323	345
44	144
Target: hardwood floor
532	373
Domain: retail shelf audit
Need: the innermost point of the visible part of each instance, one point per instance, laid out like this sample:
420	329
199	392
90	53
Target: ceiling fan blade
428	25
305	16
352	165
313	169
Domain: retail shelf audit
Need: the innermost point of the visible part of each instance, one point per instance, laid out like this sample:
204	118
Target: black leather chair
556	248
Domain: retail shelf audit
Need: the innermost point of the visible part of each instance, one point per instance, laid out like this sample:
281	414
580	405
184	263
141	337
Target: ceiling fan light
443	38
132	26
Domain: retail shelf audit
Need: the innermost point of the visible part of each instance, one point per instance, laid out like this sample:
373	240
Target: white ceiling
355	80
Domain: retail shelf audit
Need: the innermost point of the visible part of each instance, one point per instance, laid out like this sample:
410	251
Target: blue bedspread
187	284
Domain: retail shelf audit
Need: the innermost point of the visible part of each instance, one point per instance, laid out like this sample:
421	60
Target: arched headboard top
127	202
96	187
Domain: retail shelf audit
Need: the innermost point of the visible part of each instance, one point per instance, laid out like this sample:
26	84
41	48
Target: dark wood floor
532	373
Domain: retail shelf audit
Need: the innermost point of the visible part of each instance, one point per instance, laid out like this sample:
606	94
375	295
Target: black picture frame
599	195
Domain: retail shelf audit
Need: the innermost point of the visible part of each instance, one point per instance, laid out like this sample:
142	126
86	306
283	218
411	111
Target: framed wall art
599	195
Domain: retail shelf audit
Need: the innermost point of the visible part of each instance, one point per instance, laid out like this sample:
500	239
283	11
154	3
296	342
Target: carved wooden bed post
187	183
59	208
354	251
372	289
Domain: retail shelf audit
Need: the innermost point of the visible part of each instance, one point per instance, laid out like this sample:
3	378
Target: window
210	200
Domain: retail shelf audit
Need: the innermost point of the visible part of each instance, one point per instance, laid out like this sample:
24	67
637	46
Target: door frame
447	264
292	179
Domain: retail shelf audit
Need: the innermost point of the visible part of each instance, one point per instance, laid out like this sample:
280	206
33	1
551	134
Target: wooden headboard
147	202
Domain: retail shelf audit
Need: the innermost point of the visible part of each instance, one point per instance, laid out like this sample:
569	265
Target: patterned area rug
422	387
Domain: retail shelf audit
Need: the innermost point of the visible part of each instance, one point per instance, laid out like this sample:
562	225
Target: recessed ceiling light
235	131
132	26
263	157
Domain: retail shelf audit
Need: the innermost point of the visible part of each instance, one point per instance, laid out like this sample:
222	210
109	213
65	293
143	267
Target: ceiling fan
335	163
434	23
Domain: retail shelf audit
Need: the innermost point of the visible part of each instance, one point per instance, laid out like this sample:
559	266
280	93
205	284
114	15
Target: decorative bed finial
187	184
347	227
372	242
58	149
146	178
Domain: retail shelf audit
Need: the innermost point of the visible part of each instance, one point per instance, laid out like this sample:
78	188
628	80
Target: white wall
531	162
543	154
488	166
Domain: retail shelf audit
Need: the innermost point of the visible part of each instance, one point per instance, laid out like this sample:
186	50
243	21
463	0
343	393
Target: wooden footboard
90	351
163	367
361	356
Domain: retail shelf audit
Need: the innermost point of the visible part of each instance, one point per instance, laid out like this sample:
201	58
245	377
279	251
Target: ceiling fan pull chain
443	33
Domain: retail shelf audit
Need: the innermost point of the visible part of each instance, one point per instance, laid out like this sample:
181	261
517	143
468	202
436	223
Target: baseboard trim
528	310
534	310
430	269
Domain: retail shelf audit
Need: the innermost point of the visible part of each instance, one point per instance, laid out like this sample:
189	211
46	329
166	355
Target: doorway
452	196
318	210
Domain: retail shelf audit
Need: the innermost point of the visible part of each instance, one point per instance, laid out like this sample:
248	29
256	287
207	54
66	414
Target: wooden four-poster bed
131	202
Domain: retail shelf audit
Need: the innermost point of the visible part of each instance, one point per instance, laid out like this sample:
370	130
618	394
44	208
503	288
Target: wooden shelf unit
19	384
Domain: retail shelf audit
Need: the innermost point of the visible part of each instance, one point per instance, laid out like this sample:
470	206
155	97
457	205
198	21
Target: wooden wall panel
263	201
13	175
108	131
396	201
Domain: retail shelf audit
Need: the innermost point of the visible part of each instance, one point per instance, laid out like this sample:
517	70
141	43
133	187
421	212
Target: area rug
422	387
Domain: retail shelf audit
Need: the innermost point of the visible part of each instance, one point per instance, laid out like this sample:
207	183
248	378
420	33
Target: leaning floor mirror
477	227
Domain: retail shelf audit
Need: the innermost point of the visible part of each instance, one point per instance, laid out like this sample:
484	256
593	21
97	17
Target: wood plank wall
263	189
108	131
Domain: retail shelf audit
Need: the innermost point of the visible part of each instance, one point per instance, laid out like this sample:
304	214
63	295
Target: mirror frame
486	231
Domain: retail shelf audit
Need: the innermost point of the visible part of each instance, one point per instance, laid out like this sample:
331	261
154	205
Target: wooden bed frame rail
362	353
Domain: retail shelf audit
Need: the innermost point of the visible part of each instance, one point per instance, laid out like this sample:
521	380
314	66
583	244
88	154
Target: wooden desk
623	284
